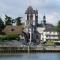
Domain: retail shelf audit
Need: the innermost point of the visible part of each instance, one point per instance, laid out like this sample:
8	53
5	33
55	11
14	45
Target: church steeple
36	17
44	19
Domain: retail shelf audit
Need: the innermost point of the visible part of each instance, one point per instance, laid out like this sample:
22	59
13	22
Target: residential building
13	29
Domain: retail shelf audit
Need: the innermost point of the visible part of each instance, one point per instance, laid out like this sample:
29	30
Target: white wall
47	34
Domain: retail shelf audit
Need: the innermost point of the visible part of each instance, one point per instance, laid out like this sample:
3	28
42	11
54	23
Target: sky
15	8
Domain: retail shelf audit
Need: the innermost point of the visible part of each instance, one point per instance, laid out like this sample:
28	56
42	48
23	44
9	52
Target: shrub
50	42
3	37
9	37
12	36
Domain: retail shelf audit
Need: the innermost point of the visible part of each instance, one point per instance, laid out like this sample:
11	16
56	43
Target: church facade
39	32
31	23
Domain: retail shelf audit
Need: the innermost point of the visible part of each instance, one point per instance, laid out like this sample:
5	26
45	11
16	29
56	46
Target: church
32	31
39	32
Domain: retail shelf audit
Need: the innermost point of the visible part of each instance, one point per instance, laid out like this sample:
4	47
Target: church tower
29	12
44	20
36	18
31	22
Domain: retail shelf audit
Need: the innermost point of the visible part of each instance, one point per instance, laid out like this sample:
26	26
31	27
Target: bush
3	37
50	42
12	36
9	37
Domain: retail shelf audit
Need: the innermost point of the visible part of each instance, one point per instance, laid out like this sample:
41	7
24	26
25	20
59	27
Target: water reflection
33	56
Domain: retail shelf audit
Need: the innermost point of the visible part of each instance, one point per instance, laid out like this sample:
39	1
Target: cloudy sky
15	8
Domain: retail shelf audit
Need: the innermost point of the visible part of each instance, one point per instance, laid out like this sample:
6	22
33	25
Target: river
33	56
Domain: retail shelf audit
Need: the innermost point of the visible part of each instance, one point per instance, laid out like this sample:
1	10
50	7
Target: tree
58	29
18	21
8	20
1	25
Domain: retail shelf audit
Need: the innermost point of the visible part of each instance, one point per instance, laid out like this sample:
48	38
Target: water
33	56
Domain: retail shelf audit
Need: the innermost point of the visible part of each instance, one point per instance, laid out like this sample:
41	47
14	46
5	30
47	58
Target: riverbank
28	49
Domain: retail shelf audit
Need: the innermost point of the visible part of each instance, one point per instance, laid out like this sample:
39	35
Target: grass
50	42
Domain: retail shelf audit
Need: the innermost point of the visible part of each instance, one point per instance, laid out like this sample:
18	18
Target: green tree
58	29
1	25
18	21
8	20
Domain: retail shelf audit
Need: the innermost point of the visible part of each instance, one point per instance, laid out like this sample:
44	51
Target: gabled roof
48	27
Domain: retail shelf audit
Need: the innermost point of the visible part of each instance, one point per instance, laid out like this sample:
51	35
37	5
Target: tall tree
1	25
8	20
58	29
18	21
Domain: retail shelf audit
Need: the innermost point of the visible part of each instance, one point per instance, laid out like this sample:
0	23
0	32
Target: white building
47	31
47	35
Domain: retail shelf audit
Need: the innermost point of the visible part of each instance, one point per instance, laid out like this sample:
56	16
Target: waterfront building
32	31
13	29
31	23
47	31
39	32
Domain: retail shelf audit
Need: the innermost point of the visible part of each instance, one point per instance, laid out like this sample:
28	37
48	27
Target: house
9	29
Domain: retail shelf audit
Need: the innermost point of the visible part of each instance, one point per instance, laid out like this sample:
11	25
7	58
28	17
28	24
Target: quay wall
27	49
